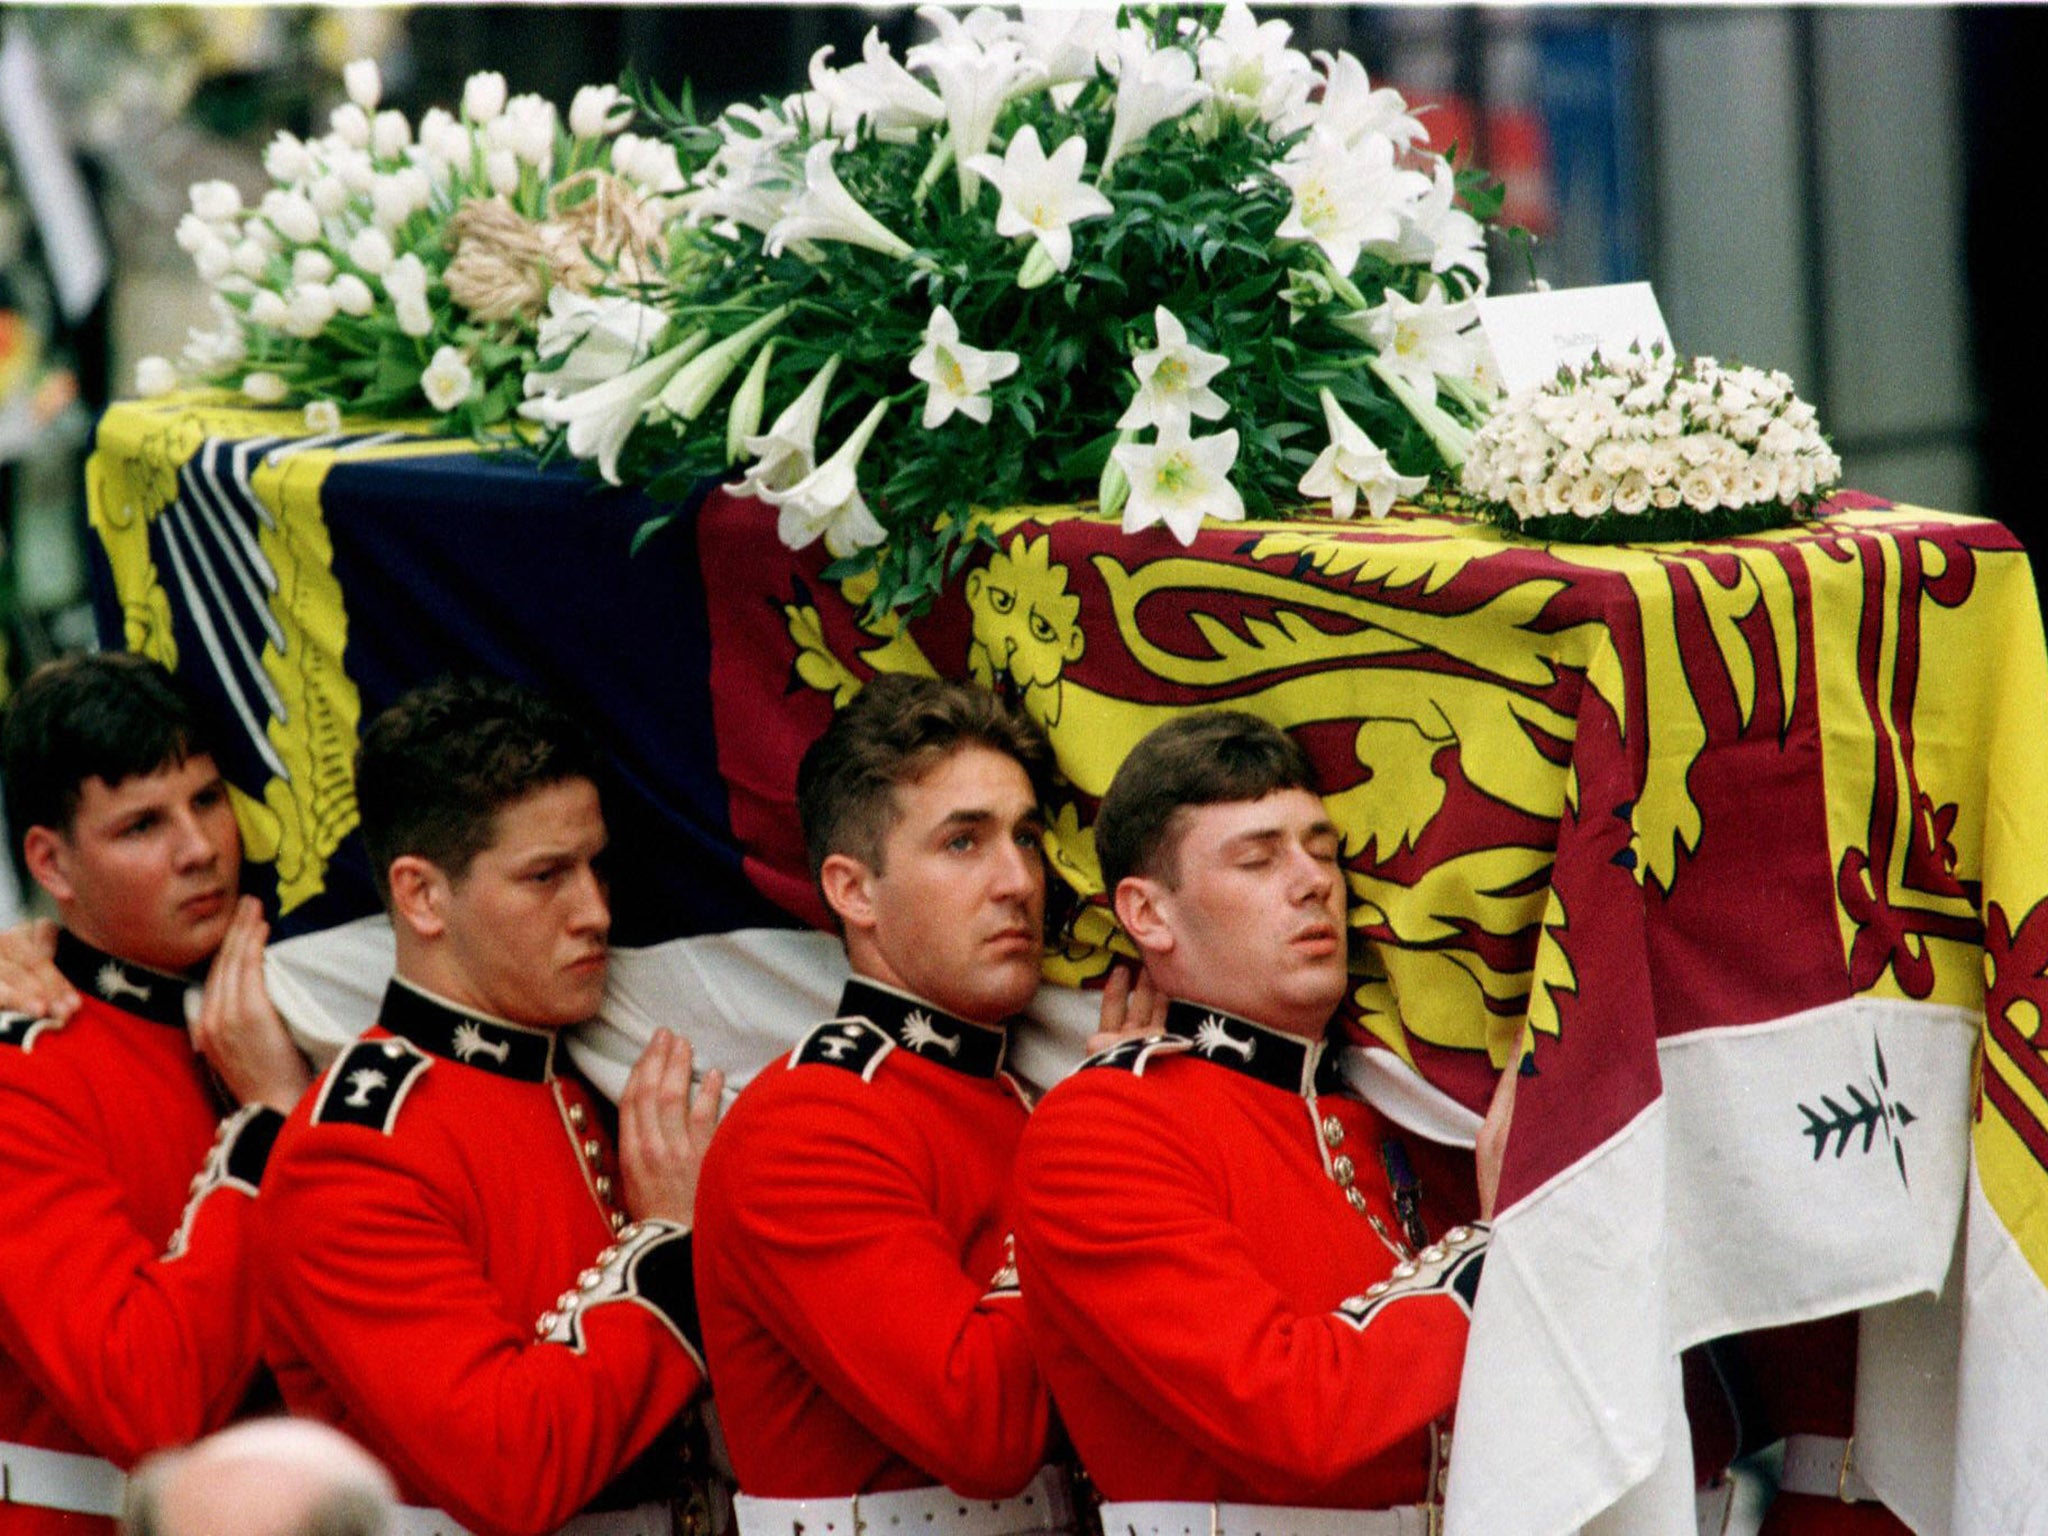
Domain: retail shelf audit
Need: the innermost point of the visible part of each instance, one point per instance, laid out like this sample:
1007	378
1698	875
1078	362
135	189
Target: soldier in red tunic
860	1310
464	1273
1237	1289
135	1128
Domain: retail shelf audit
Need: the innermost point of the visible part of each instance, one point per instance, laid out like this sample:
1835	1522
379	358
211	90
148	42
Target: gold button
604	1186
618	1221
577	1116
593	1148
1357	1200
1343	1171
1333	1130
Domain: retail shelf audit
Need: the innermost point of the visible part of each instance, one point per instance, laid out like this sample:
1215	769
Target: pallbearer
466	1273
1242	1288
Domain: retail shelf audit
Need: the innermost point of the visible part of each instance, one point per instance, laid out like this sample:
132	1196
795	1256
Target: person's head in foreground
920	808
1223	866
268	1477
123	815
481	816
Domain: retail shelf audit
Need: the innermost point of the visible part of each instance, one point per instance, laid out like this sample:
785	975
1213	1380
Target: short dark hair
436	767
1207	758
110	715
895	730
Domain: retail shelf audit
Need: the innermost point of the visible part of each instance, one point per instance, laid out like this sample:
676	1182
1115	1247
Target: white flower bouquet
395	268
1176	267
1651	447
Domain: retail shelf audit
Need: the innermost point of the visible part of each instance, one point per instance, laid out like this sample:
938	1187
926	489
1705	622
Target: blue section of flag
478	564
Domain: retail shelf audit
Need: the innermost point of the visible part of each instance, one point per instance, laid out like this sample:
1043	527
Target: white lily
787	451
1437	231
1153	86
1253	72
1354	465
596	338
1452	438
1346	196
878	91
827	502
699	381
825	210
1178	481
976	66
1352	107
1173	381
447	380
600	419
1416	342
743	419
1043	196
959	375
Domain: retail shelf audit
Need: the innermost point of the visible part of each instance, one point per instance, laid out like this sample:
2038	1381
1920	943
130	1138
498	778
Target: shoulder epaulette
854	1044
21	1029
369	1083
1132	1056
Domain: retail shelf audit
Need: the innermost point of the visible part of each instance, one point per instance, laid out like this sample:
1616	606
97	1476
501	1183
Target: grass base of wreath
1674	525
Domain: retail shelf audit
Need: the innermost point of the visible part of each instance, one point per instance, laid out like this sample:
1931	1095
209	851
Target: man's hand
237	1030
1131	1009
30	982
664	1128
1492	1145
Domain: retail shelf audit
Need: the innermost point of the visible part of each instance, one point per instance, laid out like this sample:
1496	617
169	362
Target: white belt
1172	1519
1045	1505
641	1520
1825	1467
79	1485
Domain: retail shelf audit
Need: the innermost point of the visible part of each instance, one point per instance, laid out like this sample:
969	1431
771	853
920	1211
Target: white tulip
328	195
311	266
292	216
251	259
389	135
155	376
371	250
287	159
599	110
265	388
483	96
352	296
501	170
310	308
216	201
193	233
351	124
322	416
365	85
268	309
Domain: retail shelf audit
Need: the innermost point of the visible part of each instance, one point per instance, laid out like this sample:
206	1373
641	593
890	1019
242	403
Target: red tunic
127	1318
854	1212
1193	1267
437	1222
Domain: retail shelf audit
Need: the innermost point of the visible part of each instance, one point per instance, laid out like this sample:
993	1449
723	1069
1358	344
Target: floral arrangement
1175	266
395	268
1651	447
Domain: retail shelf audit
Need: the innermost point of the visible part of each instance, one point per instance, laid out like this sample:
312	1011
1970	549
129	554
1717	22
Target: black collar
927	1031
1280	1060
464	1035
152	995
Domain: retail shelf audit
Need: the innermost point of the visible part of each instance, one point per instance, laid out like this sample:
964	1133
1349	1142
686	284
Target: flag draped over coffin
1743	842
